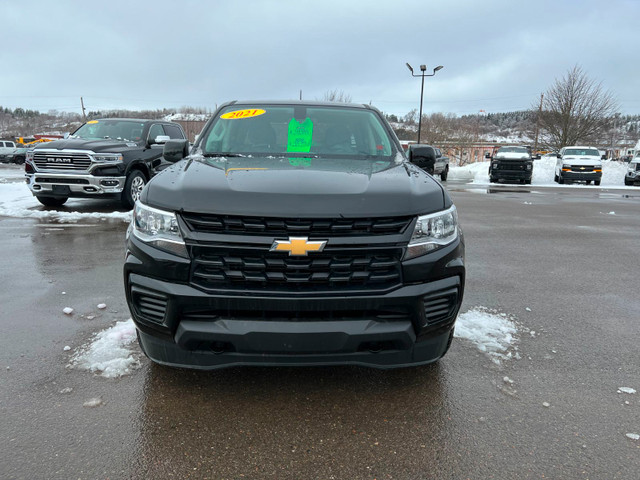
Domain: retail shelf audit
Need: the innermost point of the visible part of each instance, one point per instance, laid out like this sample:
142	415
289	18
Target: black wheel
527	182
136	180
560	179
628	183
18	160
52	201
493	179
588	182
444	174
555	177
596	182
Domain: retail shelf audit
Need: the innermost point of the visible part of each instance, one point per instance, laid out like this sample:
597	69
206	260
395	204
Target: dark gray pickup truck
430	159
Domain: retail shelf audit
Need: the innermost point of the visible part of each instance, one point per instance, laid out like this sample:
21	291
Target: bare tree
575	110
336	96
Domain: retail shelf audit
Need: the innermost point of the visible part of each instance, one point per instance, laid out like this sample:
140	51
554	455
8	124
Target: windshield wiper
223	154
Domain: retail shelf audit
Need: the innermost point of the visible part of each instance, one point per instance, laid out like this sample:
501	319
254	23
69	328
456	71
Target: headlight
494	165
529	166
108	157
433	231
158	228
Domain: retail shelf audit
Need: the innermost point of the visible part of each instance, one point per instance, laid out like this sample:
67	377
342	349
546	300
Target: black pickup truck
430	159
511	163
107	158
294	234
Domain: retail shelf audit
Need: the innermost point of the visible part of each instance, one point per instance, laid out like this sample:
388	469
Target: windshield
582	151
522	150
114	129
339	132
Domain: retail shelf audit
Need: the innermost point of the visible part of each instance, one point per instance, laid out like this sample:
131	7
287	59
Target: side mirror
537	157
558	155
66	135
159	140
604	157
175	150
487	155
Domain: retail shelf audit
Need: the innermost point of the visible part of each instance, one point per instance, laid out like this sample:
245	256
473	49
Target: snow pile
189	117
543	172
493	333
16	201
109	354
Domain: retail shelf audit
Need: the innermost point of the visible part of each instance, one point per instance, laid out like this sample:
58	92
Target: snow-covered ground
543	172
16	201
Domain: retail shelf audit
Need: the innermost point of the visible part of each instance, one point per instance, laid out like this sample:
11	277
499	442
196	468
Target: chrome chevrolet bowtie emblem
298	246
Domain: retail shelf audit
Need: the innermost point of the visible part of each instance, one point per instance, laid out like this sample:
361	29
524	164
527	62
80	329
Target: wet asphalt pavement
558	252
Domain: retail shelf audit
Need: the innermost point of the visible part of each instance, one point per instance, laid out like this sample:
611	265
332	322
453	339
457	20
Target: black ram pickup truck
294	234
108	158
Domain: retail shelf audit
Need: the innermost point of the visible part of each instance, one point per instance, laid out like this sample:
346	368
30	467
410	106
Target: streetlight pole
423	68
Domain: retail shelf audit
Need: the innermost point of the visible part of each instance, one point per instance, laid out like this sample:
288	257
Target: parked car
20	153
578	163
430	159
511	163
105	158
293	234
6	150
632	176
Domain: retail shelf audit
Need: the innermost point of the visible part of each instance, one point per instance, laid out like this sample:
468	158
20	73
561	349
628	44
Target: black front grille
517	166
149	305
440	306
583	168
214	269
269	226
62	160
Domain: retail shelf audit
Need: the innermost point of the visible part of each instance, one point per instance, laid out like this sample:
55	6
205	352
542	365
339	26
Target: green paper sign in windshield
299	136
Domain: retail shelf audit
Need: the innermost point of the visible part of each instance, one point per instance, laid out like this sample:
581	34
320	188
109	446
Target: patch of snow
92	402
628	390
66	390
67	310
16	201
507	380
527	309
492	333
633	436
546	404
66	348
109	354
102	306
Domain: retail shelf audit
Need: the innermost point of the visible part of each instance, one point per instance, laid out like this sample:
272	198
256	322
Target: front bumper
181	325
511	174
74	185
581	176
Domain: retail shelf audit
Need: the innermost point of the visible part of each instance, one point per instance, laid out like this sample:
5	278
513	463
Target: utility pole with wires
84	115
535	146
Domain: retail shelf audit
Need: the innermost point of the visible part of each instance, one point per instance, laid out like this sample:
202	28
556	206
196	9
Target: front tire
596	183
52	201
136	180
560	180
444	174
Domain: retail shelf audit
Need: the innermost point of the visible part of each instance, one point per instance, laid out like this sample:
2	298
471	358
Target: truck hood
276	188
512	156
102	145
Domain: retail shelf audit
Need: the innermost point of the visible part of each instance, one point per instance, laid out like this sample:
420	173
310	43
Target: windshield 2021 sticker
92	121
300	135
243	113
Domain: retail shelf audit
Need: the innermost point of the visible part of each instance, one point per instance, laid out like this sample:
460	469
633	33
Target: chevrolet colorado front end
294	234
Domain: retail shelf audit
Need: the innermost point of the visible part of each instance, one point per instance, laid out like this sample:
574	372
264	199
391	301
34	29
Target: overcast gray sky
498	55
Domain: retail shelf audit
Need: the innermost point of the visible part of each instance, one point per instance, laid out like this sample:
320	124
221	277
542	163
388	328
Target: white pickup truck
578	163
6	150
